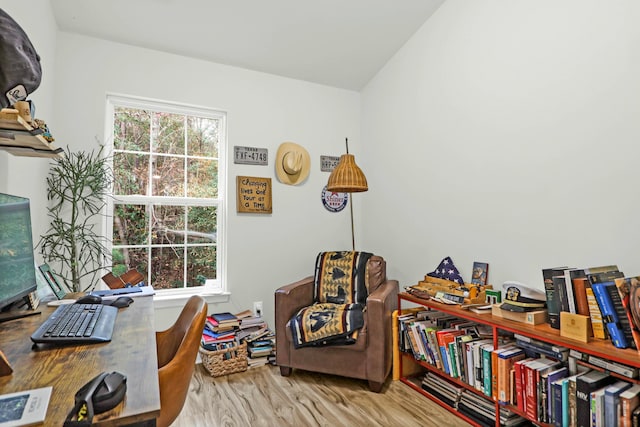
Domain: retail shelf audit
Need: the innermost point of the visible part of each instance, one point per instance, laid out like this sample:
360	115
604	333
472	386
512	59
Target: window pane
130	173
167	267
202	178
167	224
203	226
203	136
157	156
201	265
130	225
124	259
131	129
168	133
168	176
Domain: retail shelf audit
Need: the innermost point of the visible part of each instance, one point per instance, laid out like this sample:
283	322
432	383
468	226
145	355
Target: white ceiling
340	43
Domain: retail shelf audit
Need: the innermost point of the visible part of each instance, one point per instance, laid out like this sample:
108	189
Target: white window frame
216	289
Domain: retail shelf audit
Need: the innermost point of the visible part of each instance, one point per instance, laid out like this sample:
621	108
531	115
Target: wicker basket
225	361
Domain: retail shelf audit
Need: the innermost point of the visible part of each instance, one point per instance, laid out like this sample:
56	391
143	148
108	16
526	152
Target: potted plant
77	187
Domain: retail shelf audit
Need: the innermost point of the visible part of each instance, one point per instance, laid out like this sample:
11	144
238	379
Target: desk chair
177	348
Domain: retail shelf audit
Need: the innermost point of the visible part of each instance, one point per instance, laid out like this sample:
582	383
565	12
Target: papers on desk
24	408
135	292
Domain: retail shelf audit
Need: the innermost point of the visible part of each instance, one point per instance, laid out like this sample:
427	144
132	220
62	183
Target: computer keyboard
77	323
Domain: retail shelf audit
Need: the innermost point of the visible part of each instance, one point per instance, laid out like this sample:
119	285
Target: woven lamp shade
347	177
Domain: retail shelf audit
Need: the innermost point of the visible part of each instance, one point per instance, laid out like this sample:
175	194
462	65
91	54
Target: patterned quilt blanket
326	323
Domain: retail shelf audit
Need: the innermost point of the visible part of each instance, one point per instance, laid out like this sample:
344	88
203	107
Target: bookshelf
411	370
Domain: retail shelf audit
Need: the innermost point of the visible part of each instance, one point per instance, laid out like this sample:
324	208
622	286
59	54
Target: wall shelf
20	139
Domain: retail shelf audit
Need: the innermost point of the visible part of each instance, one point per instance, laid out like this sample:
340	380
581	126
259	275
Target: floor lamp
347	177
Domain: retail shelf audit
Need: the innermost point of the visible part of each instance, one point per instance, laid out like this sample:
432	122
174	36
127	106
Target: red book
518	368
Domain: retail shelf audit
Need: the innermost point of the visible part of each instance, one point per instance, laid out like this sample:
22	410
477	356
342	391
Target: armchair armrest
289	300
380	306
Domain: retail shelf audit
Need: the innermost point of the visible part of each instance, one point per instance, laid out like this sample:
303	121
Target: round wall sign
334	202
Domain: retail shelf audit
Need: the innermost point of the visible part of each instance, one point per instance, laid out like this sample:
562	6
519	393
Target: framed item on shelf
480	273
58	290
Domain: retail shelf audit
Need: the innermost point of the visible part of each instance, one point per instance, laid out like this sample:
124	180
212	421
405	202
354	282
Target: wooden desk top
131	352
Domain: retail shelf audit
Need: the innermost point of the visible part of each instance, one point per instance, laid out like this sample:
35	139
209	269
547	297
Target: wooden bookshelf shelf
411	369
20	139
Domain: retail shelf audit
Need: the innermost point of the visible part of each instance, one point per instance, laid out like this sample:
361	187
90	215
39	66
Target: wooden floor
261	397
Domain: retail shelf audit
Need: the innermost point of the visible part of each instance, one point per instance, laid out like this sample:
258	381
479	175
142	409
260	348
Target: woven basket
225	361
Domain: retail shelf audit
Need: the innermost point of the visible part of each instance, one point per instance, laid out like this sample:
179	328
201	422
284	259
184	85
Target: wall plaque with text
253	194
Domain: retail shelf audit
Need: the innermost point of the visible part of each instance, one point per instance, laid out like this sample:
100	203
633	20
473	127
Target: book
506	359
532	372
561	290
546	380
580	293
571	399
611	402
585	384
552	296
609	312
477	362
225	318
597	274
540	347
487	381
460	355
24	408
417	341
625	285
557	395
541	391
597	324
519	379
629	400
596	401
569	274
444	337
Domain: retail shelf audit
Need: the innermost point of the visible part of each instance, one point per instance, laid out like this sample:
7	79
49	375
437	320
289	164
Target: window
167	212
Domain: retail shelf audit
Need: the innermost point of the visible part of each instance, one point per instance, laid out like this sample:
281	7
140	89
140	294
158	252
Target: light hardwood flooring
261	397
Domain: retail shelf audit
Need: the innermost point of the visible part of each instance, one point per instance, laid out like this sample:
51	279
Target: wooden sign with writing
254	194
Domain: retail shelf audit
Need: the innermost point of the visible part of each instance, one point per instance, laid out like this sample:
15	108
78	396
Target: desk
132	352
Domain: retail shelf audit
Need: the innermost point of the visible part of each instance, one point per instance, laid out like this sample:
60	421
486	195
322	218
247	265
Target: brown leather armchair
369	358
177	348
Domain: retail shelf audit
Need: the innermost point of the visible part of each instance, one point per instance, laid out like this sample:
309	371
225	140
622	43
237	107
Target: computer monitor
17	267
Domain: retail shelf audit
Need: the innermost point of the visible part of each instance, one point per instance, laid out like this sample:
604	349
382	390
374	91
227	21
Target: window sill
179	298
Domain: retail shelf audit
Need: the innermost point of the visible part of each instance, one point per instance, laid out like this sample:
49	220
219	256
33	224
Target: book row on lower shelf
531	380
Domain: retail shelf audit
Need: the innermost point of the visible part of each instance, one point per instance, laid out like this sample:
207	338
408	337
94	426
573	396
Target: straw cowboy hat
292	163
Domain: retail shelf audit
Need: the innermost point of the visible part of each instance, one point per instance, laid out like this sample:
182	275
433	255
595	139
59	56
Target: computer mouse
122	302
89	299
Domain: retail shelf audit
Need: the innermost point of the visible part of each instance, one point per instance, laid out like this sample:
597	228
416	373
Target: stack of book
249	323
219	331
261	347
482	411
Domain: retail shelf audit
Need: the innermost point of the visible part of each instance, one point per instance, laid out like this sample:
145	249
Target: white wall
26	176
507	132
264	251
